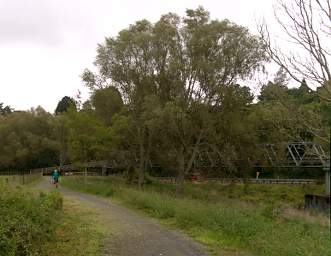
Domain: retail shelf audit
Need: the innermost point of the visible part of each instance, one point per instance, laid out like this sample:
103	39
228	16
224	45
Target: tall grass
27	221
255	193
222	222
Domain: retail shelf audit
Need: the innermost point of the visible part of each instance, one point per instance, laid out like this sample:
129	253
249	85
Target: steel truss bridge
283	155
295	154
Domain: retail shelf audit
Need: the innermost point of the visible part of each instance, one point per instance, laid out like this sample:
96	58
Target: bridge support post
320	202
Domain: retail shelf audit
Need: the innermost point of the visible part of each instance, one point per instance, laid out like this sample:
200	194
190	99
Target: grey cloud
37	21
26	21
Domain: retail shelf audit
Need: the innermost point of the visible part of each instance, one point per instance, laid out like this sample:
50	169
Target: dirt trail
132	234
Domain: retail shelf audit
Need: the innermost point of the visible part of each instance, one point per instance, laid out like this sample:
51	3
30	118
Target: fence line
19	177
243	181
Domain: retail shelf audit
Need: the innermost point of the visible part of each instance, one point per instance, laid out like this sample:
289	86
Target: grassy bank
27	221
37	223
286	195
234	219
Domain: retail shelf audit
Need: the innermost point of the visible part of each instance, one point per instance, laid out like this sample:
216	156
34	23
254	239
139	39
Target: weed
244	222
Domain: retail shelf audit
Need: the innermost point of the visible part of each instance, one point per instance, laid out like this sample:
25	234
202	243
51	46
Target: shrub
27	221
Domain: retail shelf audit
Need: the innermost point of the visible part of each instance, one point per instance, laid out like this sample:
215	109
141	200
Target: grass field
246	219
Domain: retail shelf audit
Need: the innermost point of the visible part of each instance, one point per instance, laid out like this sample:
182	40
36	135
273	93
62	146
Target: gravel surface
131	233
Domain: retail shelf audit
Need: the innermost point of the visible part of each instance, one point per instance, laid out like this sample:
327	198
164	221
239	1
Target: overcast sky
46	44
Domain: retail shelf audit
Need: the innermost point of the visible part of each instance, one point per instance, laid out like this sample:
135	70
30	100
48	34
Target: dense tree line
5	109
170	93
27	139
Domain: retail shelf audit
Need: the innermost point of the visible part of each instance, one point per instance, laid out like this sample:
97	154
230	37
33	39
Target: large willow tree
176	64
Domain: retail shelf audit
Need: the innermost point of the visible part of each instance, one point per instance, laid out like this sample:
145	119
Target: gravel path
131	233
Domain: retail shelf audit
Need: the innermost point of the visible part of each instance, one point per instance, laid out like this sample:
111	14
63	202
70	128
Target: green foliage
28	140
107	102
88	139
171	70
27	221
291	114
64	105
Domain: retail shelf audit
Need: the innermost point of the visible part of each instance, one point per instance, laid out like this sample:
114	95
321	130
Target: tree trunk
141	171
181	173
181	165
63	146
85	176
148	150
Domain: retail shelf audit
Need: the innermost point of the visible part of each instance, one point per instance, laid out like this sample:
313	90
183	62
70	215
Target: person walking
56	176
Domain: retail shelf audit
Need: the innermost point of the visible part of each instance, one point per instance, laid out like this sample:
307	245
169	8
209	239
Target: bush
27	221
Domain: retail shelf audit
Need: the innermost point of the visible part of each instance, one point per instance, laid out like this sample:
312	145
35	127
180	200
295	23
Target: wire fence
241	180
16	177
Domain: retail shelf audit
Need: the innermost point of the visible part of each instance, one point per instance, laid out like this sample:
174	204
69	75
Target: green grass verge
222	222
37	223
78	232
292	195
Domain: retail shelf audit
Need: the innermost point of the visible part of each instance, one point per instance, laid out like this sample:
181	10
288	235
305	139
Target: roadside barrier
242	180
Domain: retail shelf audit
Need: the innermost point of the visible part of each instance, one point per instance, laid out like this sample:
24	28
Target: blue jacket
55	175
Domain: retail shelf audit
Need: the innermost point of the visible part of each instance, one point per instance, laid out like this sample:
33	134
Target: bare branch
305	23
